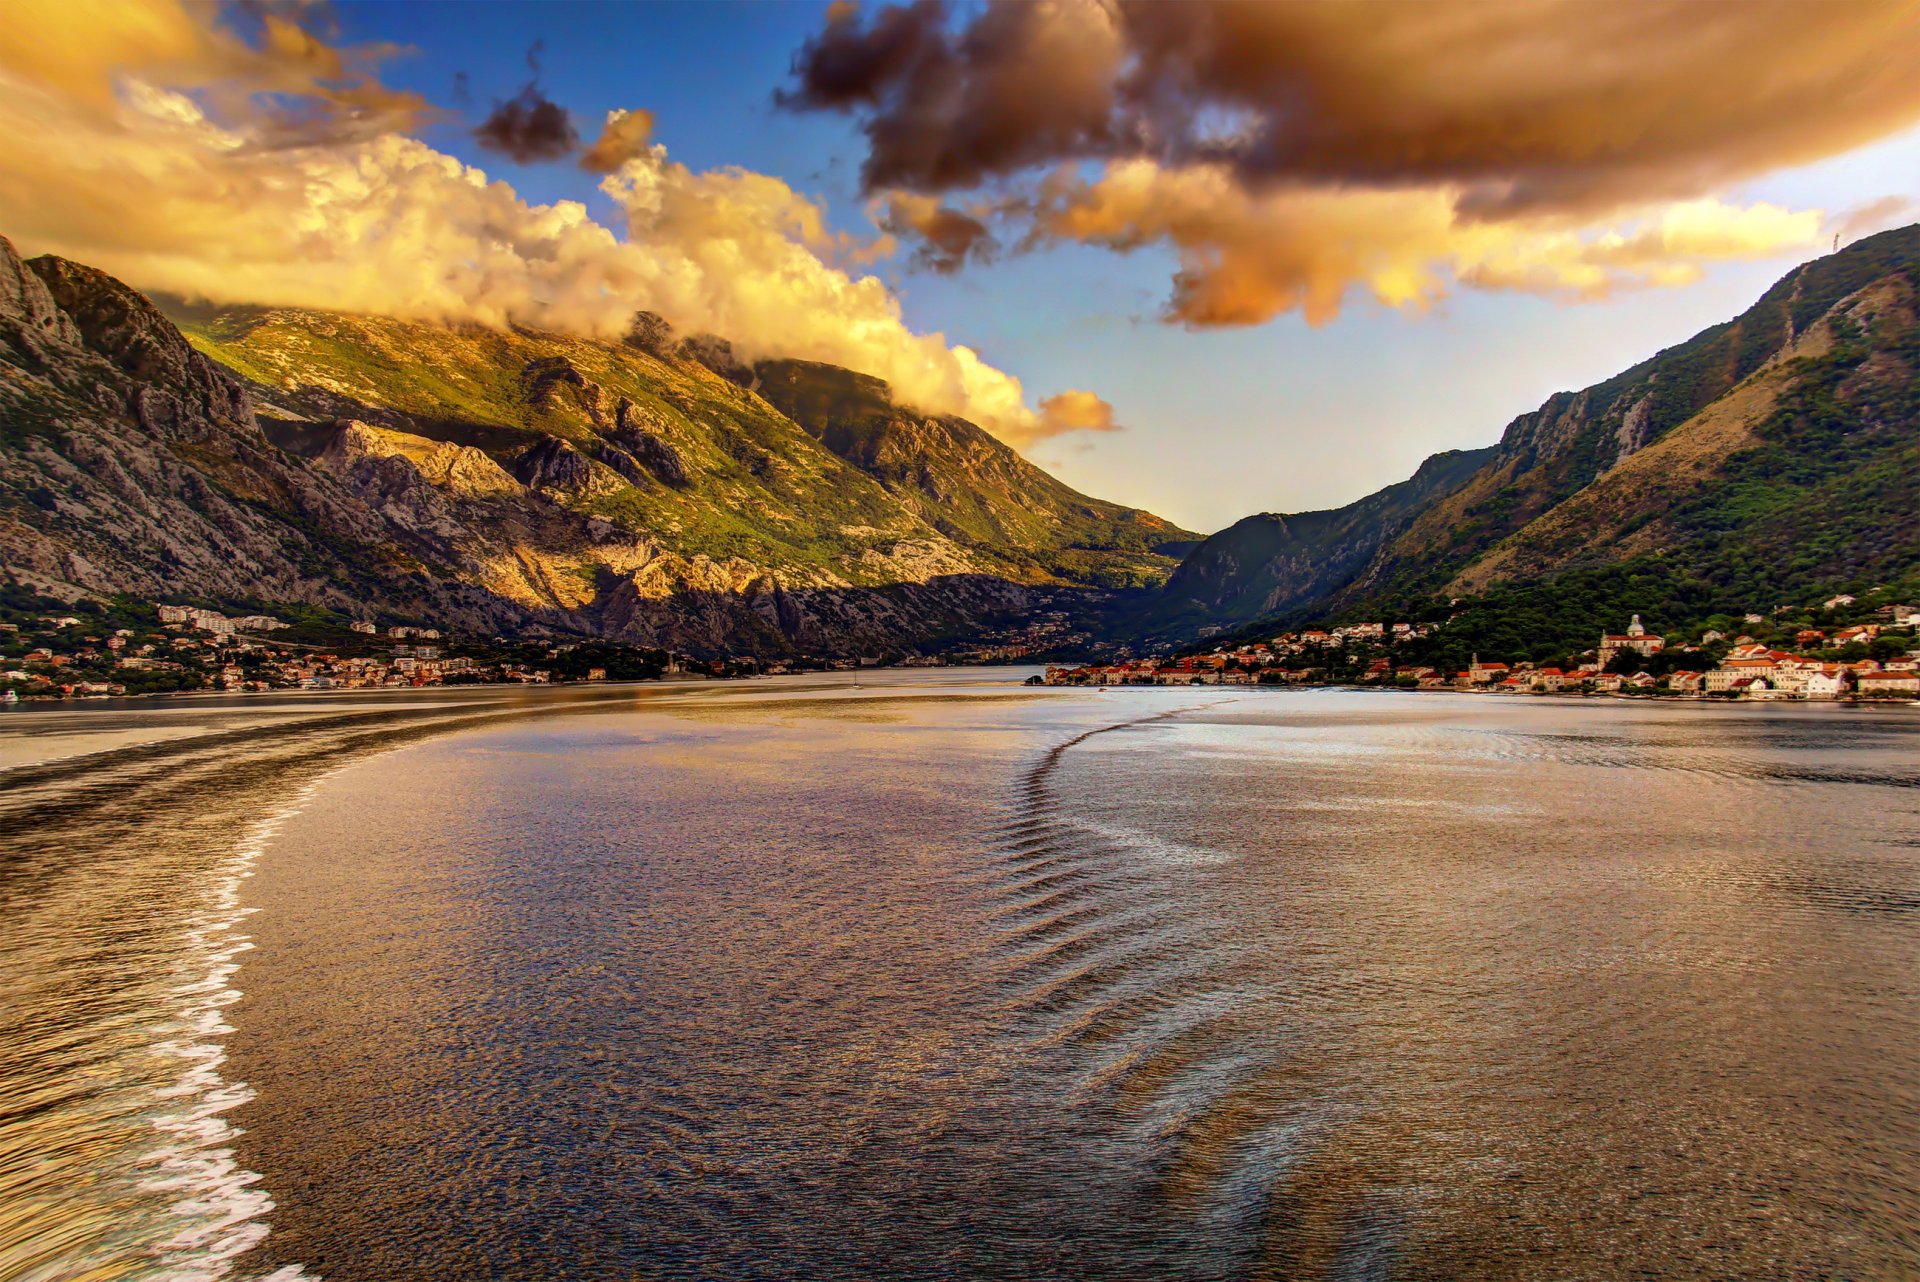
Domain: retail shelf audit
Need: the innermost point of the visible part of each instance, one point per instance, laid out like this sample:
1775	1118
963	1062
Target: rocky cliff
1272	563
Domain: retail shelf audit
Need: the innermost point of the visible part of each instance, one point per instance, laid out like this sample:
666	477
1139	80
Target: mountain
1270	563
1767	458
488	479
968	485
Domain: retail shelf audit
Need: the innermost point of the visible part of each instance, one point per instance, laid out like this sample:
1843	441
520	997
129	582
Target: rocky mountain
641	490
1271	563
1765	458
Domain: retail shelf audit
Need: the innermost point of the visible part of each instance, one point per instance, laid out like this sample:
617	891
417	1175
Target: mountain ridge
507	480
1765	456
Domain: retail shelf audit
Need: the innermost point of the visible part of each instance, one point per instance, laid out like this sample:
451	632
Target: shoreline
1558	695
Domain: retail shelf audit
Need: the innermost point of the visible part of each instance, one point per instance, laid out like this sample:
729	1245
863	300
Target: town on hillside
1871	657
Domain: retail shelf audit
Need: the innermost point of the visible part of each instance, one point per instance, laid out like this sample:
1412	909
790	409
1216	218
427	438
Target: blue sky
1218	423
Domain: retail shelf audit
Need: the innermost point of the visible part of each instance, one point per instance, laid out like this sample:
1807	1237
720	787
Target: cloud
947	238
1073	411
624	138
131	137
1246	257
291	87
1872	216
1554	121
1523	103
528	127
1024	84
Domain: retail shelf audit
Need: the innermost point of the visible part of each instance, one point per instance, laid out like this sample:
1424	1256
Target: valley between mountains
661	491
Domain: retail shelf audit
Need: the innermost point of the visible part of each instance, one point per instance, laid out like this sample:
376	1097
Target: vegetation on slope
940	496
1768	461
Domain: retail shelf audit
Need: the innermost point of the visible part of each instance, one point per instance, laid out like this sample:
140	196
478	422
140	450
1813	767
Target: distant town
53	650
1876	656
1841	648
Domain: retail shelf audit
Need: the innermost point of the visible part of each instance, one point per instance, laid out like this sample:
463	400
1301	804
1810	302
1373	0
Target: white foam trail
219	1207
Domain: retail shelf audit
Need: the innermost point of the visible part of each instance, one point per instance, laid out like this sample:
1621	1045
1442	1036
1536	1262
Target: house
1636	639
1484	674
1684	682
1809	636
1887	683
1906	616
1738	674
1834	603
1829	682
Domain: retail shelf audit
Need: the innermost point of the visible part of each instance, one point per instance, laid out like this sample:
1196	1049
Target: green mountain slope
1270	563
968	485
626	489
1589	477
1767	460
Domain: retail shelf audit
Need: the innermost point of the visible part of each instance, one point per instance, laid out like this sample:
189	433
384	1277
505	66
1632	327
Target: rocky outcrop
554	466
629	468
642	447
177	393
28	309
651	333
716	354
554	382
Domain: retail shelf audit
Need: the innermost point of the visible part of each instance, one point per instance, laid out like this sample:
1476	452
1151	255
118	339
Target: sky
1206	262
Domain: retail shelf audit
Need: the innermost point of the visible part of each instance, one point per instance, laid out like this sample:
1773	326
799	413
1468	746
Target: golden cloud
1399	145
133	137
1073	410
1246	257
624	138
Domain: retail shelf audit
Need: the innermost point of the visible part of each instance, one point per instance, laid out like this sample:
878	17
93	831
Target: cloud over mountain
148	139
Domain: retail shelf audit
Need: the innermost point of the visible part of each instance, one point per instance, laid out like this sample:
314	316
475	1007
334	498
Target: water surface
945	978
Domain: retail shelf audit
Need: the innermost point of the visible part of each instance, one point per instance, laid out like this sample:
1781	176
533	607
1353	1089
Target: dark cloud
528	127
945	238
1516	105
1024	84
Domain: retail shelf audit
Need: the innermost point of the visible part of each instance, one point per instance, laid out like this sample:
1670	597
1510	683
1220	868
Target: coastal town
1841	648
93	649
53	649
1875	657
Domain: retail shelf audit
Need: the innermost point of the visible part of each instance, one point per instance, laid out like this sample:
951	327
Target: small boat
10	696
